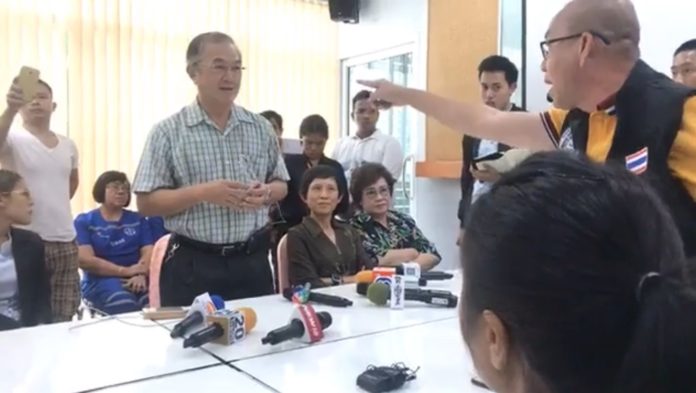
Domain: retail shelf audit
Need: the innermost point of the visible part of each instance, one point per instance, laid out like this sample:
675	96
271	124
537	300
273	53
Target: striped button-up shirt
188	149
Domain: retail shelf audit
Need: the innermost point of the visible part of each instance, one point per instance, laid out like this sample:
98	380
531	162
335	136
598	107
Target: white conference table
216	379
73	356
360	319
81	356
436	347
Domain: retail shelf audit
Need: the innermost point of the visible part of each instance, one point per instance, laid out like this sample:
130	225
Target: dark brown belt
260	240
225	250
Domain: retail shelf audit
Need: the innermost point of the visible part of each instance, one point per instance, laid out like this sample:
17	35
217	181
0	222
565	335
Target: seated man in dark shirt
322	251
314	133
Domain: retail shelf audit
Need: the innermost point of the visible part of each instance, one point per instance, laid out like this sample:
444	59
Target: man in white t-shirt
48	163
368	144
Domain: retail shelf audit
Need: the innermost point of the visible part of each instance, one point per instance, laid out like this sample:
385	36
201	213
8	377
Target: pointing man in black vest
611	106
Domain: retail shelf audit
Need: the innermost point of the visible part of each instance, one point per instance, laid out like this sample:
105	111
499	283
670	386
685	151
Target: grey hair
195	47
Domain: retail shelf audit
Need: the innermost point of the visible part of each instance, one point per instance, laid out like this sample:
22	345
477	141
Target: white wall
383	24
386	24
665	24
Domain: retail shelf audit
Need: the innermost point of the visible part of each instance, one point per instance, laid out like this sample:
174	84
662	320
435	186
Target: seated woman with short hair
322	251
114	248
389	236
575	281
25	293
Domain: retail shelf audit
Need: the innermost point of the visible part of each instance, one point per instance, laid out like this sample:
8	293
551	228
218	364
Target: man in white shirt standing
48	163
368	144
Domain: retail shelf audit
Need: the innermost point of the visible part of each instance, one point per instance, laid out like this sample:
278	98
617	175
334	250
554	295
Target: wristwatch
336	279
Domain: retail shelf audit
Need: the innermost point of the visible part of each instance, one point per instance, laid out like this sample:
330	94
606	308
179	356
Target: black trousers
190	271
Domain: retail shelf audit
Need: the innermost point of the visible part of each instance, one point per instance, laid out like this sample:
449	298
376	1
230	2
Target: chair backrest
156	260
283	280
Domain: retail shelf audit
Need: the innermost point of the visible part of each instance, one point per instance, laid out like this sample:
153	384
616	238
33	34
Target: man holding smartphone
498	80
48	163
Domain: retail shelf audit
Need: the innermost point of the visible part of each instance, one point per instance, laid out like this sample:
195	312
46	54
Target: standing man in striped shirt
212	170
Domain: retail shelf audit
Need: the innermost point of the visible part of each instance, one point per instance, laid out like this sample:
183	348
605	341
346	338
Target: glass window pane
512	40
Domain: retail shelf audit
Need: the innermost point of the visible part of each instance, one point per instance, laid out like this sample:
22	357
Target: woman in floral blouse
388	236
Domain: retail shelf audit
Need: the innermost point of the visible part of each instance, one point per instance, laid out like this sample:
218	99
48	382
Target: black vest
649	110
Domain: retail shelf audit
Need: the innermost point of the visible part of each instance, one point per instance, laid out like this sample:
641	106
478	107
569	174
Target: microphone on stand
305	324
202	306
225	327
320	298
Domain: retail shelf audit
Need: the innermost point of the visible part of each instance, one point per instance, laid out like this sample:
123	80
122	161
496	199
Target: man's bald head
615	20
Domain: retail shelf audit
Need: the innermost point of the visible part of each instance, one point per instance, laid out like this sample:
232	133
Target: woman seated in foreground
114	248
322	251
575	281
389	236
25	293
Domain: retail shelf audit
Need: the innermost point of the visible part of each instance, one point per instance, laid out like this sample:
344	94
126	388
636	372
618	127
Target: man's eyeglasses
544	45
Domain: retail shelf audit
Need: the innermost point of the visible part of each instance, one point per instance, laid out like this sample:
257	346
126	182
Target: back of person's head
502	64
582	268
314	125
687	46
317	172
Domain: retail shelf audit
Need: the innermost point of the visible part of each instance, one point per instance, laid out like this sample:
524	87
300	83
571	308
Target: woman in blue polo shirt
114	248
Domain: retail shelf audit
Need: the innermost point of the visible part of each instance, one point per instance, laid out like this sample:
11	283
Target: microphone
364	276
382	274
436	276
379	293
225	327
202	306
321	298
361	288
305	324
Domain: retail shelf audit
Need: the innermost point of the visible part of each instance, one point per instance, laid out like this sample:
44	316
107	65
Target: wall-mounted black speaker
346	11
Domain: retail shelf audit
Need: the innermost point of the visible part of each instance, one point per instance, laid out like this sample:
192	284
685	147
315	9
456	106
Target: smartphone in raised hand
484	158
29	82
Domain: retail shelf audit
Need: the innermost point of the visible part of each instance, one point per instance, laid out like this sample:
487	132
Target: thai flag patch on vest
638	161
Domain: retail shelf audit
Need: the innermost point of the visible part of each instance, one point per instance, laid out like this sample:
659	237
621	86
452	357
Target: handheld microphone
321	298
365	277
361	288
203	305
369	276
305	324
380	293
436	276
225	327
410	270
